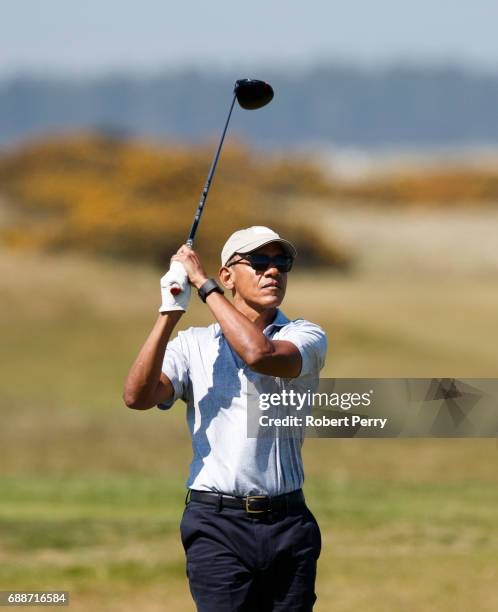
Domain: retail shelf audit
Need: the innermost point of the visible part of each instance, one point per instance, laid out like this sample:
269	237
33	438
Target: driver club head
252	94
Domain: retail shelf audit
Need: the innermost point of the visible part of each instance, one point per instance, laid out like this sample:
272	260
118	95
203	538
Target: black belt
252	504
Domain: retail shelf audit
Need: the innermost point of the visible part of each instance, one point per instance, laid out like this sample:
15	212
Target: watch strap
208	287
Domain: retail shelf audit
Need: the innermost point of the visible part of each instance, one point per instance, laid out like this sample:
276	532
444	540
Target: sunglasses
260	263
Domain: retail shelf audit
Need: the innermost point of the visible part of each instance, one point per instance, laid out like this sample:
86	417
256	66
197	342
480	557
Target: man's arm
146	386
263	355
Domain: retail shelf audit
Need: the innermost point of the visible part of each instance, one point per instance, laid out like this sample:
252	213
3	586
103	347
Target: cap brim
289	248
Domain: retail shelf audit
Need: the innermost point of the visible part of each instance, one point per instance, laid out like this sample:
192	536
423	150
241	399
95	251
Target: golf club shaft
175	289
205	191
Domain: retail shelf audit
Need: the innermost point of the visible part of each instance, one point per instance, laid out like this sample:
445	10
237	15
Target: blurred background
378	157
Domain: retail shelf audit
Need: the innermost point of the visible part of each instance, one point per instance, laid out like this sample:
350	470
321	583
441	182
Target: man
251	542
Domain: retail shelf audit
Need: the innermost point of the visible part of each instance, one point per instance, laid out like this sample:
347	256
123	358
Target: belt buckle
248	502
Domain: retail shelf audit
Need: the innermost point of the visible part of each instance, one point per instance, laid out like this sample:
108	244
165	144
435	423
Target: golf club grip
179	270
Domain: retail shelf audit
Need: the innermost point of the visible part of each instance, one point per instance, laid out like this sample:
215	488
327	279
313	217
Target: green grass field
92	492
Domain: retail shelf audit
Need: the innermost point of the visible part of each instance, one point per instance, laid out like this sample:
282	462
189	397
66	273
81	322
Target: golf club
251	94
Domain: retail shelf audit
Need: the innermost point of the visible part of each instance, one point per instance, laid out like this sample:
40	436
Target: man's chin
271	301
263	304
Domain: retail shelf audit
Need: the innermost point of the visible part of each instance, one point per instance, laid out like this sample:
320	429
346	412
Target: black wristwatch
209	286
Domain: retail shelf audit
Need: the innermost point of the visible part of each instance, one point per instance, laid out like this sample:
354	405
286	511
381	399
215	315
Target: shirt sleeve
311	341
175	367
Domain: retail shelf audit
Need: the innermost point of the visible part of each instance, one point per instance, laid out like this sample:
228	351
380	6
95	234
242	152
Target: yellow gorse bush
133	199
452	186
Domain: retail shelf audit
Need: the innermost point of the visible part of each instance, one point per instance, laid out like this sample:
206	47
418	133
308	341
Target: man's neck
261	318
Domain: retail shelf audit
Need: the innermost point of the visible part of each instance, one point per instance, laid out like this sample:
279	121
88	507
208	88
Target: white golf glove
175	277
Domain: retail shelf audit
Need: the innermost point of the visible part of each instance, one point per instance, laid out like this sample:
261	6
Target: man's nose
272	270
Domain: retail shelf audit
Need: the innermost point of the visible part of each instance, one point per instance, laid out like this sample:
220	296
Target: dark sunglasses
260	263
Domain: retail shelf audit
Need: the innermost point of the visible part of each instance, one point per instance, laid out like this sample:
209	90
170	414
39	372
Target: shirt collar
279	321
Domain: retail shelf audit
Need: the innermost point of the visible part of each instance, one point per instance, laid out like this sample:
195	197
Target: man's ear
226	279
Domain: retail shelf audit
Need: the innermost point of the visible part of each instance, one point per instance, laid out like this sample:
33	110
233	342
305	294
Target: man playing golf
251	542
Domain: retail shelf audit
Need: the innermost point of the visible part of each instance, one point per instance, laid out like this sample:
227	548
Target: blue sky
96	36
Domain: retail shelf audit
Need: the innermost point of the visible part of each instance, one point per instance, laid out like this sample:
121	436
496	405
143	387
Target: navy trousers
238	562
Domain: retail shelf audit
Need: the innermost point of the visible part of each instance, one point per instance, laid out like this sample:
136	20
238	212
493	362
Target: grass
106	539
92	492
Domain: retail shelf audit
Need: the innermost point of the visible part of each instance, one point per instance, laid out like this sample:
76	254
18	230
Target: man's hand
175	277
192	265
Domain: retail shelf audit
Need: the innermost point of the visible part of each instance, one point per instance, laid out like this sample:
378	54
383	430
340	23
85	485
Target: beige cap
250	239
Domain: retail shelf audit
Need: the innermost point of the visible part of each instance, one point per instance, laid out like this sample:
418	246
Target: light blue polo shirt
209	376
